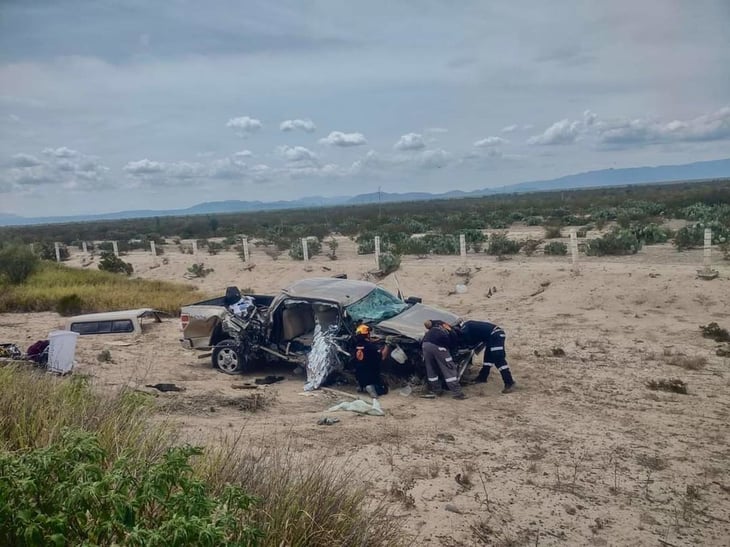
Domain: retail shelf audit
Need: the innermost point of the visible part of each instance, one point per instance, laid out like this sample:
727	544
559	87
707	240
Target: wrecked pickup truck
282	327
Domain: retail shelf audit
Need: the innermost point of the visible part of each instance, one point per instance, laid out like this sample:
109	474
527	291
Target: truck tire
228	358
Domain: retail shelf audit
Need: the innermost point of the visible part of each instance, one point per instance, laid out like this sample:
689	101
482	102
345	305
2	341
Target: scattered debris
248	267
558	352
544	285
463	480
406	390
328	420
673	386
165	387
245	385
451	508
105	356
654	275
715	332
361	407
268	380
445	437
723	351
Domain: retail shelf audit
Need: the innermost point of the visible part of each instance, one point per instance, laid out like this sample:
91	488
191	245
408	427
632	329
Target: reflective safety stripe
452	379
495	348
487	365
448	359
434	379
443	349
503	367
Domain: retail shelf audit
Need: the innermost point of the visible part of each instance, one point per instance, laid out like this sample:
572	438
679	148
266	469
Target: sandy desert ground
584	453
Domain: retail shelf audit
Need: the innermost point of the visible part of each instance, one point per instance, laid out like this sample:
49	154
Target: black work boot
507	379
482	376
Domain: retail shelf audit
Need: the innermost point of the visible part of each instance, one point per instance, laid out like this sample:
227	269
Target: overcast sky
108	105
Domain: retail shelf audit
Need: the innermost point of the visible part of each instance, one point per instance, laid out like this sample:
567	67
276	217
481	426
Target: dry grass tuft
670	385
95	291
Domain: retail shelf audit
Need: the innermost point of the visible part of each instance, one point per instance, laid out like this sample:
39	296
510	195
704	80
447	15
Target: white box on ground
61	350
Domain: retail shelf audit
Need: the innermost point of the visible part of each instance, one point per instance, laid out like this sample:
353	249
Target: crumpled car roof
342	291
410	321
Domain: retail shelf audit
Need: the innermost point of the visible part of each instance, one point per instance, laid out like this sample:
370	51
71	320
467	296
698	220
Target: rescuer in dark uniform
474	332
368	358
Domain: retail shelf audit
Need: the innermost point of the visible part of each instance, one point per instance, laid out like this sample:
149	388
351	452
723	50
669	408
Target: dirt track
582	454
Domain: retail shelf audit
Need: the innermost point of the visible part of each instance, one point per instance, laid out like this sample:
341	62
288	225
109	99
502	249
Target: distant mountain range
717	169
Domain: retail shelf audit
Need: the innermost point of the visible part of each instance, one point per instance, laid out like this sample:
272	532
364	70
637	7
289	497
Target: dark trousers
495	355
438	359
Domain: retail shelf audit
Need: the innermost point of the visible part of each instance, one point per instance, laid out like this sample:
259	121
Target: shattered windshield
379	305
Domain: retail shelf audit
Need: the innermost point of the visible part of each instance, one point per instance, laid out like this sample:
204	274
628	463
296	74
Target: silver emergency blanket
322	359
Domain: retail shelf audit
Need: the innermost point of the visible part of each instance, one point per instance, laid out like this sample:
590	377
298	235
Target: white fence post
116	248
462	246
84	247
305	249
195	247
244	243
574	249
58	252
708	249
153	248
377	251
32	250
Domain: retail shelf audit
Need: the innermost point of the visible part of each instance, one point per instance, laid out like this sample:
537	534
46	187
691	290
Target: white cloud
243	154
435	159
245	124
410	141
565	131
144	167
510	128
61	152
707	127
306	125
25	160
490	142
562	132
338	138
296	154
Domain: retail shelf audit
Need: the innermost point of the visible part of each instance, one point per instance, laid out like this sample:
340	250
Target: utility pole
380	204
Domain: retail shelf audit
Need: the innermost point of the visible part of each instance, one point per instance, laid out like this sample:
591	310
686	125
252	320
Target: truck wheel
227	358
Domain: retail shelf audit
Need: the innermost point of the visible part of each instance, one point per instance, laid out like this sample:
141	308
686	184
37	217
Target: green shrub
70	304
46	250
214	247
74	492
534	221
17	262
389	263
619	241
556	248
652	234
112	263
500	244
413	246
694	235
553	231
529	246
198	270
314	247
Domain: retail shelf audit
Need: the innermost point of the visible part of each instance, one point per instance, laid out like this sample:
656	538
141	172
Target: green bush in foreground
72	492
17	263
303	500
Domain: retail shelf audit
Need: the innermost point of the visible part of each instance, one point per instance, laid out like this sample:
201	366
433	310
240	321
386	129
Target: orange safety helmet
363	330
